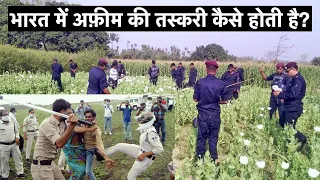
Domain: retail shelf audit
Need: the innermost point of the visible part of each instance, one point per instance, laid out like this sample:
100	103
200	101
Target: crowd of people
78	143
98	82
106	75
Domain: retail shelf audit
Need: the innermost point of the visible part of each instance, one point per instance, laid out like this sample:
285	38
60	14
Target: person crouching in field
92	144
75	153
150	146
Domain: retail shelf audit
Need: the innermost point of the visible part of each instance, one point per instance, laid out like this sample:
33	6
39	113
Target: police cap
212	63
290	65
280	65
103	61
144	117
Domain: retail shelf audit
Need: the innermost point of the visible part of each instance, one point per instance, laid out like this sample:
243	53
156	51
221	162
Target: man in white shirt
170	103
113	75
81	109
149	104
31	132
108	110
12	115
9	144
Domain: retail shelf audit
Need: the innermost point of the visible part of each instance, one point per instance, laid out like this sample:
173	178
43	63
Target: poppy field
250	146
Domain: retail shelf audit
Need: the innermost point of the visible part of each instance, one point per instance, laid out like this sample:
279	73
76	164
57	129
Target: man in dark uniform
182	69
73	68
154	73
240	71
109	55
97	79
56	73
293	105
121	69
177	75
230	77
192	75
281	80
209	92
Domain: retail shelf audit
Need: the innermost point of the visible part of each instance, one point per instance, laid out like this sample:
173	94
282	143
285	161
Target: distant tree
271	55
211	51
51	41
303	57
316	61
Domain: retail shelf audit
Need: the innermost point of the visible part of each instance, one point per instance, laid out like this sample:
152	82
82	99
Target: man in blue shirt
293	96
97	79
209	93
73	68
230	77
177	75
192	75
56	73
281	80
182	69
127	121
121	69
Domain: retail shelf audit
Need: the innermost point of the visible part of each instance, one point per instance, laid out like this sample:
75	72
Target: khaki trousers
43	172
31	136
5	151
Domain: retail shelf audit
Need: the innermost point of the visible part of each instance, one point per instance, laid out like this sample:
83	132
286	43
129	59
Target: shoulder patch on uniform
154	138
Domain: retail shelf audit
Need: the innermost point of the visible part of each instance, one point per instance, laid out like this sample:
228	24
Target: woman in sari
75	153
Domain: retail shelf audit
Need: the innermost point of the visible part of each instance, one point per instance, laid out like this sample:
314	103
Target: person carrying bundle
281	80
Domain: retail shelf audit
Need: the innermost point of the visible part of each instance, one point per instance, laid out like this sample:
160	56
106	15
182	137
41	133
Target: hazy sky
238	43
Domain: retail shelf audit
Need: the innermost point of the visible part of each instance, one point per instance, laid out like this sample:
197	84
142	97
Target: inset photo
86	136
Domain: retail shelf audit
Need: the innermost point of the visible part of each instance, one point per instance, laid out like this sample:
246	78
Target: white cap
2	109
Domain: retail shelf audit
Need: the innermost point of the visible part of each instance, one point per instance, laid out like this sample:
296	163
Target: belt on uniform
152	157
6	143
43	162
33	130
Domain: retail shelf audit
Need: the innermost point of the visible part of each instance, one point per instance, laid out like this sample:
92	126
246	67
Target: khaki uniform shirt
33	126
154	143
8	132
50	131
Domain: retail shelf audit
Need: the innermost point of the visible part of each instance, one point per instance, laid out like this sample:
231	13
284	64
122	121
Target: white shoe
110	133
105	132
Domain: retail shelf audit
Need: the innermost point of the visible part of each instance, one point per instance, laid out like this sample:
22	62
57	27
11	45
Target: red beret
103	61
211	63
290	65
280	65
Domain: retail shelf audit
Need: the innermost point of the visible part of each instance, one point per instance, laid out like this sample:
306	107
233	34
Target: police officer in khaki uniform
9	144
150	146
30	131
49	140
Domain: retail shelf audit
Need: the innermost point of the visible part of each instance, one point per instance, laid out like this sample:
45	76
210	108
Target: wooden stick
68	60
239	82
25	125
